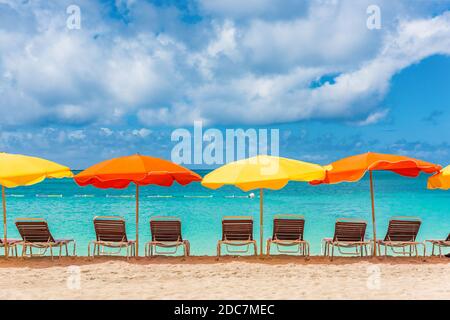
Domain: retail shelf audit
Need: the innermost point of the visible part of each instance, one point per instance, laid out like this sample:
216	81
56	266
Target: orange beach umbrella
353	168
440	180
141	170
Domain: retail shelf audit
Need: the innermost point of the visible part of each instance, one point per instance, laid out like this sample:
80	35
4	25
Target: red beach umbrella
141	170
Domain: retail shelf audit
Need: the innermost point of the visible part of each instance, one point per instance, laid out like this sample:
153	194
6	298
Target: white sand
229	278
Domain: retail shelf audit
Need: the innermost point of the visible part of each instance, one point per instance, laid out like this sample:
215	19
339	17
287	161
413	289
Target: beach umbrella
262	172
353	168
440	180
141	170
20	170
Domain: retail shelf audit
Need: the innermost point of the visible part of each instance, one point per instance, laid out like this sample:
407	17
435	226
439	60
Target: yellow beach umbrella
20	170
440	180
263	172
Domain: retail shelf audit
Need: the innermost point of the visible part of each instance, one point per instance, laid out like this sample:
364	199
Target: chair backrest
34	230
448	237
288	227
239	228
403	229
110	229
165	229
350	230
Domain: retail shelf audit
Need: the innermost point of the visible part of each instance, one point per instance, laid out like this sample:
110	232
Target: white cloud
143	132
106	132
252	64
373	118
355	92
77	135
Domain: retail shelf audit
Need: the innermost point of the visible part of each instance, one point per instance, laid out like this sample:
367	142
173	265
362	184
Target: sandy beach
227	278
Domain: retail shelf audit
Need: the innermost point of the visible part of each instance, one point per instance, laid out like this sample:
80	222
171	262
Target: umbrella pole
137	220
373	215
5	236
261	214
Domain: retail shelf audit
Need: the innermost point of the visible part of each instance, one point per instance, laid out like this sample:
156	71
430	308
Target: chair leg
332	252
256	249
268	247
188	247
218	248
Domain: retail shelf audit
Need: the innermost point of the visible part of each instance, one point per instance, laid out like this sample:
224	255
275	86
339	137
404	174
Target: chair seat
397	243
64	240
287	242
115	243
440	242
55	242
10	241
167	244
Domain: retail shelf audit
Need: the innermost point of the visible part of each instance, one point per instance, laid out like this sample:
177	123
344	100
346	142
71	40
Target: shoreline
42	262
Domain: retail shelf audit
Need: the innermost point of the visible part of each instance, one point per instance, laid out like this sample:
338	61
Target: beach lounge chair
166	233
237	231
36	234
440	244
348	233
12	245
288	232
111	233
401	235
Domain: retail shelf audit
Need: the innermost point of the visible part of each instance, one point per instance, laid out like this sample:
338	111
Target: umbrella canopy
263	172
141	170
353	168
20	170
440	180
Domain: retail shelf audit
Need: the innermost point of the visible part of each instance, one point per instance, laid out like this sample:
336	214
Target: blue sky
137	70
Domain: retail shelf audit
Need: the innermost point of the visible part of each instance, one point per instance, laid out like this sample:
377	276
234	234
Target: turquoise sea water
70	209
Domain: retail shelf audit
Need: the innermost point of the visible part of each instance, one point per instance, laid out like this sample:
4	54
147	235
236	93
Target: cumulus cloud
242	63
373	118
